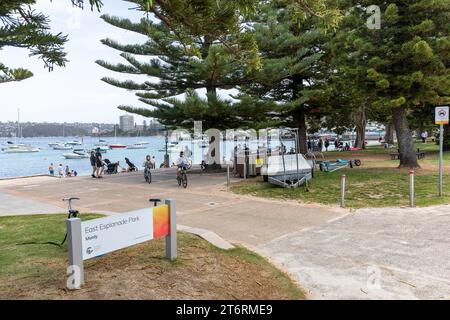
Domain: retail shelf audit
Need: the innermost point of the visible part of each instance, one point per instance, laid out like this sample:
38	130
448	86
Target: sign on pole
442	115
442	118
93	238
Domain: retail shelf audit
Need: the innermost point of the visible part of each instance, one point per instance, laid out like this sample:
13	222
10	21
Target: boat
76	154
143	143
74	143
102	148
287	171
53	144
137	146
20	148
117	146
62	146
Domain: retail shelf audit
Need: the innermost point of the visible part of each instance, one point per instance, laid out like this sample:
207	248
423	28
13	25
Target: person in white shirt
182	162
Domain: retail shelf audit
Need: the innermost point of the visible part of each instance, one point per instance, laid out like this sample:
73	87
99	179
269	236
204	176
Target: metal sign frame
75	245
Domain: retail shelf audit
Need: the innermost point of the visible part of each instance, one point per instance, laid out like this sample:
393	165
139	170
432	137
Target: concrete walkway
11	205
332	253
371	254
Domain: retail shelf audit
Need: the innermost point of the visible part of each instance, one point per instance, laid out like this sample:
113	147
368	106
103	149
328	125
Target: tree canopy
22	26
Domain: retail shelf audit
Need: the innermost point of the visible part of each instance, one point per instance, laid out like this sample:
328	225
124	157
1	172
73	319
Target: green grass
32	260
37	264
378	183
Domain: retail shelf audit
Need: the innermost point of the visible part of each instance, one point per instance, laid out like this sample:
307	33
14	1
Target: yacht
20	148
62	146
137	146
76	154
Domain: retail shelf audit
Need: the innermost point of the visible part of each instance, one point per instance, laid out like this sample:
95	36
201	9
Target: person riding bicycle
182	162
147	162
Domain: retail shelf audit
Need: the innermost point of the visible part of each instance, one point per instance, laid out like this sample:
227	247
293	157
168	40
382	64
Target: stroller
131	166
111	168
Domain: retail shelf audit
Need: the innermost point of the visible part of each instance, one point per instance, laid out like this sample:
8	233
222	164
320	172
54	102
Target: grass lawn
201	271
377	183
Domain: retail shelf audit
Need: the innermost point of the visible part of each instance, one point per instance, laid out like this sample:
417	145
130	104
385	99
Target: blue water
37	163
26	164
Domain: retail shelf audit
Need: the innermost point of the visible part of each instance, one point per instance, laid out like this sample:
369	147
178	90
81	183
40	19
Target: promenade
333	253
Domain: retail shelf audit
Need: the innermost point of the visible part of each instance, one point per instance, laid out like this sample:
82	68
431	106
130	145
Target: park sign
442	115
97	237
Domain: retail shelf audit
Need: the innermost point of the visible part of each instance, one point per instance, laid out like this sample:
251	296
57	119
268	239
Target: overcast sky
74	93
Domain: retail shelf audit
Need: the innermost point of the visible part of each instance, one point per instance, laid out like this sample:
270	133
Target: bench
396	155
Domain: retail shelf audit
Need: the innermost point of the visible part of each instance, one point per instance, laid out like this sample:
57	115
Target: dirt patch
140	272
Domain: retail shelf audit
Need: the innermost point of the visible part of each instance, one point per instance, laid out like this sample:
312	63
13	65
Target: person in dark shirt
99	163
93	164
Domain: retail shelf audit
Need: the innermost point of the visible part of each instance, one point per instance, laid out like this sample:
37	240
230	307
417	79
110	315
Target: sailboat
138	145
116	145
19	147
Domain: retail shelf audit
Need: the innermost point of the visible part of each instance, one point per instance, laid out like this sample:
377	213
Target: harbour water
28	164
37	163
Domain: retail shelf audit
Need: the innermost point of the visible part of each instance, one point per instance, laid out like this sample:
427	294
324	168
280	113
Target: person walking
327	144
60	170
424	136
320	145
93	163
99	163
51	169
309	145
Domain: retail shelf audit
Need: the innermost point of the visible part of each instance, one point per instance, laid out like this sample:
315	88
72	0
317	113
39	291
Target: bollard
228	176
343	182
411	189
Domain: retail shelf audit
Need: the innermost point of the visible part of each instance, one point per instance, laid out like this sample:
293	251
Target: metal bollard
343	182
411	189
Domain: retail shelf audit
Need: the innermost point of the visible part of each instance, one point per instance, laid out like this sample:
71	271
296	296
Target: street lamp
166	156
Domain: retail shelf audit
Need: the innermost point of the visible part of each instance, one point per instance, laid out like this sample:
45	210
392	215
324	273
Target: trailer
288	170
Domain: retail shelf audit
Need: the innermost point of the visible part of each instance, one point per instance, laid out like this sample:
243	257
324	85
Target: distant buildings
126	123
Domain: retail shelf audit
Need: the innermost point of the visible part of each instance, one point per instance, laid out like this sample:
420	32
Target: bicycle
148	175
182	177
73	213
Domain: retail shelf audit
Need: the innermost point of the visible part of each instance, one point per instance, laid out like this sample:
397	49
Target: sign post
94	238
442	118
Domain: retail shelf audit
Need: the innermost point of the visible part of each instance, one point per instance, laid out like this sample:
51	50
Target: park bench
420	155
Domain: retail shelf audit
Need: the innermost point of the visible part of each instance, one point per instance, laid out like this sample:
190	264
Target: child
60	170
51	169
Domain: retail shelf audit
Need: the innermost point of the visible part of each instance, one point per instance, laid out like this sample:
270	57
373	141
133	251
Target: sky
73	93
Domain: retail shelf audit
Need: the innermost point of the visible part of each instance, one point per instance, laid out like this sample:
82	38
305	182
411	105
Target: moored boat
117	146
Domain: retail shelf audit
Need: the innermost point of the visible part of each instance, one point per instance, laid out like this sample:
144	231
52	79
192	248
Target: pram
111	168
131	166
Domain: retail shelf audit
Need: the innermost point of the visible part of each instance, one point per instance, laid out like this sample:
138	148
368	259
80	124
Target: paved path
371	254
334	254
204	204
11	205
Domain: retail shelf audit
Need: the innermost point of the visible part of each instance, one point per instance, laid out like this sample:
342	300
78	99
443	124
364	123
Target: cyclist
147	164
182	162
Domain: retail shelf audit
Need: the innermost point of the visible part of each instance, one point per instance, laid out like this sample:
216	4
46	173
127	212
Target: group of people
318	145
61	171
97	164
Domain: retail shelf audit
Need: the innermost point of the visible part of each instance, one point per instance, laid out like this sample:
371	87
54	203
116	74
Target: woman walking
93	164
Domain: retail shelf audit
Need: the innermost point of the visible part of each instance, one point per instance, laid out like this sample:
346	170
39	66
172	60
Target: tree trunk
361	123
299	115
408	156
300	123
446	138
389	137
